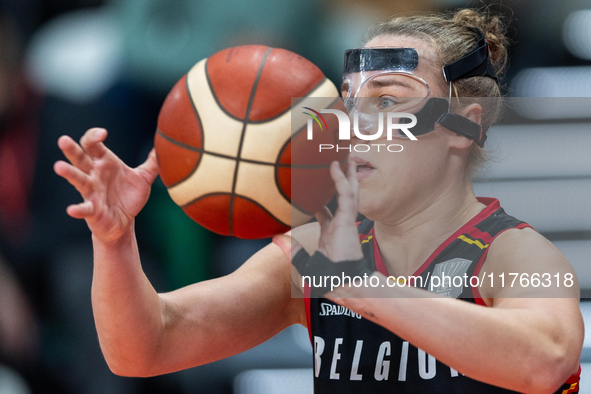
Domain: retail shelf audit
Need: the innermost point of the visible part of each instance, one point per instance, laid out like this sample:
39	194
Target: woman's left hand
339	240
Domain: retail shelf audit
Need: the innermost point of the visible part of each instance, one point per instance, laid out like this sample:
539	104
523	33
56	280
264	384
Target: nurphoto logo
393	128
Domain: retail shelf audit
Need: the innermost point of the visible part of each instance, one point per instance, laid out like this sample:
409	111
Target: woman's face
394	185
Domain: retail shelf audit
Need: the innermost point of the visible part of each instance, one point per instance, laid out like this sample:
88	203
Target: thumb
149	169
288	245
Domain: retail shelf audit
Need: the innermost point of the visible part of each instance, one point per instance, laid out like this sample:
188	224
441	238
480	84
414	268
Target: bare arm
141	332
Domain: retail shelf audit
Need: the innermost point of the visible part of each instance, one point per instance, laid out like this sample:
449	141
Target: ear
472	112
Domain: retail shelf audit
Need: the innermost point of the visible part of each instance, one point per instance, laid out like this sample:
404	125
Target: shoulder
524	246
526	252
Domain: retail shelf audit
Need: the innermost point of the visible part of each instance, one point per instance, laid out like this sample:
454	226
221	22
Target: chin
369	209
378	205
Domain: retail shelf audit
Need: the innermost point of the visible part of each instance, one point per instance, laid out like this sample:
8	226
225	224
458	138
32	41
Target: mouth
363	165
364	168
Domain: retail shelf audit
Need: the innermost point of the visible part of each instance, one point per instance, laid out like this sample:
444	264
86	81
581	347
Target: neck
406	243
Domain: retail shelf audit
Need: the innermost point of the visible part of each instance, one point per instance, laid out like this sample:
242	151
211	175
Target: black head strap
476	63
435	112
463	126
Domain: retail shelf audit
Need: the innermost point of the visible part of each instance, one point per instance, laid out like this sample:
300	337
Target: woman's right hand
113	192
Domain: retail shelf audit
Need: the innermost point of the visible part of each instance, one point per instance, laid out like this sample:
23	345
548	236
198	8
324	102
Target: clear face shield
381	74
383	80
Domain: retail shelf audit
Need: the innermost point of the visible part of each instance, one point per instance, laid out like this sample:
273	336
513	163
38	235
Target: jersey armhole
475	290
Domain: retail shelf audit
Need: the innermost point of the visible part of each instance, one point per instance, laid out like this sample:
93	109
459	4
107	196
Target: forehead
400	41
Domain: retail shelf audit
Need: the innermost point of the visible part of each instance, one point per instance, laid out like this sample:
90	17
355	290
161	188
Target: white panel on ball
257	182
221	132
214	175
262	141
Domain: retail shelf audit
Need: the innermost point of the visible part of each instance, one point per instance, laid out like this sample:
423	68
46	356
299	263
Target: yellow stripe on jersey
473	242
367	239
569	390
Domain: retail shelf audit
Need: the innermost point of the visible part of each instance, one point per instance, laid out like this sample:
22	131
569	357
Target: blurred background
68	65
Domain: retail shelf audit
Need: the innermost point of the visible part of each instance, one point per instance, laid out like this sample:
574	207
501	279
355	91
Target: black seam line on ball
180	143
217	100
304	96
245	123
215	97
214	194
203	151
198	121
276	175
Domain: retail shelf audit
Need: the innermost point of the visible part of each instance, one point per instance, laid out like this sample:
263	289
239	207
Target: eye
385	102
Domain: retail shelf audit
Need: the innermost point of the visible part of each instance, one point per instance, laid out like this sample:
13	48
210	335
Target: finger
338	176
149	169
92	142
352	172
345	192
81	211
80	180
324	216
74	153
288	245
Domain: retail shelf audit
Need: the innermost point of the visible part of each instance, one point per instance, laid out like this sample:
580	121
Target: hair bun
494	29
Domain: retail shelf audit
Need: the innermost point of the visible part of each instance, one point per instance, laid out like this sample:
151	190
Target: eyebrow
375	83
379	83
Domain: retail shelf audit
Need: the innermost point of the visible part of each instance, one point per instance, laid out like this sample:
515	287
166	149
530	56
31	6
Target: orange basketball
225	142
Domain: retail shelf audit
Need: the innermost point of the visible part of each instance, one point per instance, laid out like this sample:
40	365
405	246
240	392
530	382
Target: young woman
423	216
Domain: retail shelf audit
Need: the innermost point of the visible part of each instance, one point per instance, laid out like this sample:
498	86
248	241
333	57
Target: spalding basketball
227	149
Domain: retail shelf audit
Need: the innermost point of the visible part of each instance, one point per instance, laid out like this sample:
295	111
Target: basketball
229	152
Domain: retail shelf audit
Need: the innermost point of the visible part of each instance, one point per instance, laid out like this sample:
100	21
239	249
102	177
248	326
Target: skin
417	200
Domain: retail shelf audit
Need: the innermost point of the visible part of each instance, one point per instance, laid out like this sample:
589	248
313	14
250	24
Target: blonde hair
451	38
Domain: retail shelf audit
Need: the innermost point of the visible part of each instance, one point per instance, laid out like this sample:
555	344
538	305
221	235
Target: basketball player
423	215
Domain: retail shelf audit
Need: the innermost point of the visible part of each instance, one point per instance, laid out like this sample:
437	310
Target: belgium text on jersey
329	361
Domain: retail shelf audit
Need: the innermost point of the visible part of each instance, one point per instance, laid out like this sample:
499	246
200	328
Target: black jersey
354	355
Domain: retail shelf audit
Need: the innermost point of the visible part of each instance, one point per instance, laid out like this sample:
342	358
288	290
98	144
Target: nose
359	124
367	124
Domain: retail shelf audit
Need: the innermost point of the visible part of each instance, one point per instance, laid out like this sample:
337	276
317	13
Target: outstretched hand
113	193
